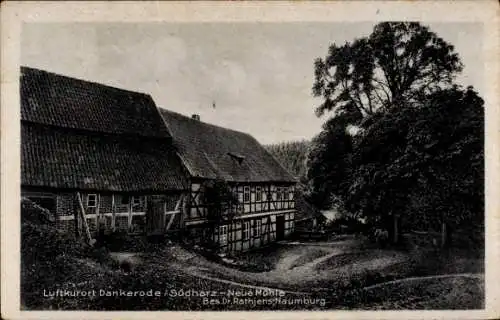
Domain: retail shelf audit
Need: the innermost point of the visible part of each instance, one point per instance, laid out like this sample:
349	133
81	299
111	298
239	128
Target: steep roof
81	135
209	151
52	99
54	158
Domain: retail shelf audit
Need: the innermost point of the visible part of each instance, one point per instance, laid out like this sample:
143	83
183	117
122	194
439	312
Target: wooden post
113	213
269	229
84	220
98	220
172	217
129	213
269	198
146	218
443	234
395	226
182	210
78	225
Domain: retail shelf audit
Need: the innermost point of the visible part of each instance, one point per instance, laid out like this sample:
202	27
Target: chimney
195	117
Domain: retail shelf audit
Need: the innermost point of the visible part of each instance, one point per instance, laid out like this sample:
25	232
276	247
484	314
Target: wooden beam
395	226
443	234
129	212
172	216
184	210
84	220
178	204
98	219
113	213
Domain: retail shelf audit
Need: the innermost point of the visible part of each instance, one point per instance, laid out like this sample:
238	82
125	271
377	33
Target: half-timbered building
264	191
97	156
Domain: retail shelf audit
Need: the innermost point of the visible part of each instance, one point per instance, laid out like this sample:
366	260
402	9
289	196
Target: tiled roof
57	100
82	135
57	158
209	151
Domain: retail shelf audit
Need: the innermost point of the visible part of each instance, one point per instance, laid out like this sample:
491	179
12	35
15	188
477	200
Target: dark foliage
47	257
397	65
292	155
425	163
403	139
220	200
222	205
328	162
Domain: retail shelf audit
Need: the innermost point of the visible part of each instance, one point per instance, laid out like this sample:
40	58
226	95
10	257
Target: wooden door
280	228
155	215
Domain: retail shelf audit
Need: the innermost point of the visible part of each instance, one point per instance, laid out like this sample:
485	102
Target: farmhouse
98	157
264	205
103	159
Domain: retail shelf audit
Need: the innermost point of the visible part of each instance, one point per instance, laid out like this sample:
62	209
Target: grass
349	258
262	259
310	255
454	292
157	274
52	260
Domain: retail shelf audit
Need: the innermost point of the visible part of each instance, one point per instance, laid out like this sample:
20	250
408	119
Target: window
246	194
246	230
257	228
258	194
223	235
124	200
92	201
290	194
137	201
279	193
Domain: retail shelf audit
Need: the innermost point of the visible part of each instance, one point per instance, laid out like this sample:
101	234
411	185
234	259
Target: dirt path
310	266
296	270
194	272
286	263
443	276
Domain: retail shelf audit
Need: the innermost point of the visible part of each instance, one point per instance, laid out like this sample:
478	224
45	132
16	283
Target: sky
259	75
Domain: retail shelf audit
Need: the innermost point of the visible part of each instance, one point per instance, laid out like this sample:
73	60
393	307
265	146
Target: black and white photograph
252	165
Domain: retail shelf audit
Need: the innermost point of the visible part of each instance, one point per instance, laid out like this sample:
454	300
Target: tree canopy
424	162
397	65
402	138
292	155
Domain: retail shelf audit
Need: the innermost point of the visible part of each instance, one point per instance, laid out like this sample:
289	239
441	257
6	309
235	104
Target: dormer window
236	157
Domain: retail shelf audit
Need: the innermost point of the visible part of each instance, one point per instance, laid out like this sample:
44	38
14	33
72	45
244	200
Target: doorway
155	215
280	228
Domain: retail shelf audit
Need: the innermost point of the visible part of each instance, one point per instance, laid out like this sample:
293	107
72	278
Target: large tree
425	164
419	152
397	65
329	157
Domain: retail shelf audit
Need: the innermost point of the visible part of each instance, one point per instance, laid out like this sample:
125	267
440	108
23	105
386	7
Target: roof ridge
61	100
208	149
206	123
60	75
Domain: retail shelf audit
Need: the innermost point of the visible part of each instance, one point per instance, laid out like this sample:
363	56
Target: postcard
273	159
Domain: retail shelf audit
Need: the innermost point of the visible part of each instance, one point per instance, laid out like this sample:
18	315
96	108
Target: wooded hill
292	155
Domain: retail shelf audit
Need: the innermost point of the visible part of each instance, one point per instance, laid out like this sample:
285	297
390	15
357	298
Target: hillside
292	155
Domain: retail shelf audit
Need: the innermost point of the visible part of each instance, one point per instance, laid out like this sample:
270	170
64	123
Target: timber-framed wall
263	213
106	211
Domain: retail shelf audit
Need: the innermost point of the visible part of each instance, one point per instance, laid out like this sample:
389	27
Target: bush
32	212
53	259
